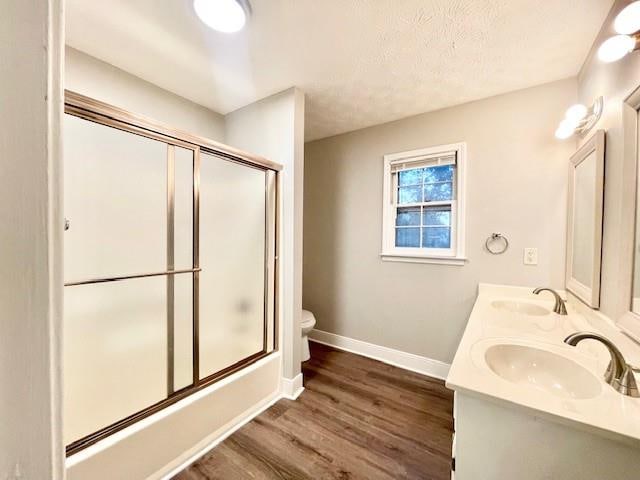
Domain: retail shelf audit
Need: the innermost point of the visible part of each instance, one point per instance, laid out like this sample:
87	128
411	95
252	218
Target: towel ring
495	237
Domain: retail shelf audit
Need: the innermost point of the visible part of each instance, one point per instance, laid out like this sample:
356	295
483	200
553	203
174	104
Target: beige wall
614	81
31	52
97	79
516	184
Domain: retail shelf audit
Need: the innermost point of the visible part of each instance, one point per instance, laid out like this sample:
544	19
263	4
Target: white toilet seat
307	319
307	322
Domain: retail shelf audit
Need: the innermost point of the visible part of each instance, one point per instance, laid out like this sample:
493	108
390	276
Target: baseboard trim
291	388
408	361
210	444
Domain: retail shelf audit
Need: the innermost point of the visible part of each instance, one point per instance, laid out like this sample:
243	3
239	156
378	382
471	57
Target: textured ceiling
359	62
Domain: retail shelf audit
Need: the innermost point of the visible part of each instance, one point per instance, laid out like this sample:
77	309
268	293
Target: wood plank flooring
357	419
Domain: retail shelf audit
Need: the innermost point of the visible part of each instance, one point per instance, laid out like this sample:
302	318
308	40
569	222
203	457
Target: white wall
274	128
516	185
614	81
94	78
30	239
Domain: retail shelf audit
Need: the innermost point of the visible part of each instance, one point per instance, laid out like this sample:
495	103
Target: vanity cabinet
498	441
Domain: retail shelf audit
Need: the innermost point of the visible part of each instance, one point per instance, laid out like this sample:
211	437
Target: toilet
307	323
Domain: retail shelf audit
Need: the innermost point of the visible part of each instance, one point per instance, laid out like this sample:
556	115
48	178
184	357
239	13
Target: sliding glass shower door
169	271
232	243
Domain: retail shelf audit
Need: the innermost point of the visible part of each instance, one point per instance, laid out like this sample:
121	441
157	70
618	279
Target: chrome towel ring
496	244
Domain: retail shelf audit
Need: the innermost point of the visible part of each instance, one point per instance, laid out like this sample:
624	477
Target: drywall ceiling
359	62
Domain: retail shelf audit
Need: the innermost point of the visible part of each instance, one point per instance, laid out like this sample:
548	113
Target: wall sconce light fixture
627	25
580	119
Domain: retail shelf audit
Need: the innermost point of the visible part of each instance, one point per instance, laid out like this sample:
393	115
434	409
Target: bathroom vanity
530	407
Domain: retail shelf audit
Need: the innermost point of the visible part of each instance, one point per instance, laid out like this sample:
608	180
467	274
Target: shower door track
104	114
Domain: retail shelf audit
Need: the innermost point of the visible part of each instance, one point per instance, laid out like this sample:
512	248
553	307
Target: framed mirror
584	217
630	247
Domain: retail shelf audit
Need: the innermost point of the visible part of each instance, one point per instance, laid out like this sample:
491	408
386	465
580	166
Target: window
423	205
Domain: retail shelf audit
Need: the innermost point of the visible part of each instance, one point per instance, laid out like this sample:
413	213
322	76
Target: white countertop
608	413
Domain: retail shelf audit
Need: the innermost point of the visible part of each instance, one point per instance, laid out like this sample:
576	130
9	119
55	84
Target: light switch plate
530	256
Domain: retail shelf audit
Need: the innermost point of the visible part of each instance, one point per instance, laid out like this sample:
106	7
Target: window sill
407	258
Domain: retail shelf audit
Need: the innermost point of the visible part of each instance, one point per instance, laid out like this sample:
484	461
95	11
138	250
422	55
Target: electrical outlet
530	256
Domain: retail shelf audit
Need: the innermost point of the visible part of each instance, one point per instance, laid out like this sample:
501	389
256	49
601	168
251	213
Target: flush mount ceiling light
627	24
227	16
580	119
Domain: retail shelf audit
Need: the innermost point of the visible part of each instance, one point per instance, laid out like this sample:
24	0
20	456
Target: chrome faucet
619	373
559	307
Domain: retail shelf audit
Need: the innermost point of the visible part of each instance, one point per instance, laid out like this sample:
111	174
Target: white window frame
448	256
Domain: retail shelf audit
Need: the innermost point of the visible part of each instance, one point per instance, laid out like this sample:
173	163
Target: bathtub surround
422	309
31	56
273	128
182	432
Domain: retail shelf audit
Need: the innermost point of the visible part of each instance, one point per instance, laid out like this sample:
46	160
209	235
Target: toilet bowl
307	323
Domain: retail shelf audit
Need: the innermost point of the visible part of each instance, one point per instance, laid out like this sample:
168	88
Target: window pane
434	216
436	237
438	191
438	174
408	237
408	216
410	177
409	195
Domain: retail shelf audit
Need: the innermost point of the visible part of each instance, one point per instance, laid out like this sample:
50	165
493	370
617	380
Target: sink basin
524	308
543	370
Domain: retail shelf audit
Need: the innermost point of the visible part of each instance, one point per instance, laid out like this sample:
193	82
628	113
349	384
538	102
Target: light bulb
628	20
616	47
576	112
565	129
225	16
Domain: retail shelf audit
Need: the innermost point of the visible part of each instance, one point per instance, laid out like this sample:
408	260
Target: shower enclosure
170	266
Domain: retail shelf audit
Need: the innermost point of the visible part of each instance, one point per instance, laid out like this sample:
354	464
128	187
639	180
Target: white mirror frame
629	322
588	294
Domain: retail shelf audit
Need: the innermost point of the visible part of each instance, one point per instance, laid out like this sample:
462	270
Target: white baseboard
291	388
210	443
408	361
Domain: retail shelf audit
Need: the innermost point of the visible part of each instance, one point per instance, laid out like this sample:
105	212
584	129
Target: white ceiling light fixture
579	119
615	48
227	16
576	112
627	25
628	20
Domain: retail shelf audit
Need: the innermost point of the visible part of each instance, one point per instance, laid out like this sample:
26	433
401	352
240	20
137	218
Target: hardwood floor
357	419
